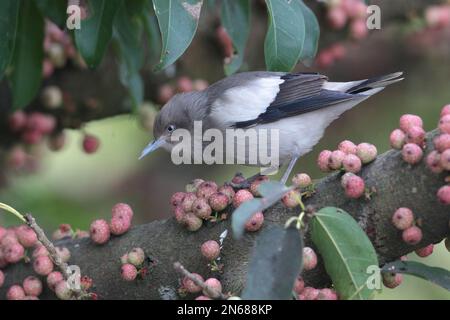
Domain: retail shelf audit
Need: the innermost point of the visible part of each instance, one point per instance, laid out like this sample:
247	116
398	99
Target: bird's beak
152	147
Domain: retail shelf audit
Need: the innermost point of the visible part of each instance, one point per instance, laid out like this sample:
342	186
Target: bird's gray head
179	113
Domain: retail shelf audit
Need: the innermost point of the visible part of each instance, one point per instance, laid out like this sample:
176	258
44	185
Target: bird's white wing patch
245	102
341	86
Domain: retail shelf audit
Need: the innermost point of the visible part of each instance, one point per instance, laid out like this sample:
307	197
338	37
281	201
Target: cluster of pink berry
403	219
438	16
354	12
328	56
13	242
183	84
132	264
410	138
121	215
58	48
350	158
189	286
202	198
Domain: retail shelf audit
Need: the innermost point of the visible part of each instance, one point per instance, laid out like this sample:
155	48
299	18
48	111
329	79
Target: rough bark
396	182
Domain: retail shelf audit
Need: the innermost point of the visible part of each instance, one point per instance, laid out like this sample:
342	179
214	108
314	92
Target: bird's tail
376	84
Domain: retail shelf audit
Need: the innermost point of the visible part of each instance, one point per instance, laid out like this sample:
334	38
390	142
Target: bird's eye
170	128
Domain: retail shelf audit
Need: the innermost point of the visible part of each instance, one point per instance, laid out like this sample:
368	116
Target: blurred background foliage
72	187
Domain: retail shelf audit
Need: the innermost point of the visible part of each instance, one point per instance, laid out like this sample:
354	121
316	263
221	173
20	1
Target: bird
300	106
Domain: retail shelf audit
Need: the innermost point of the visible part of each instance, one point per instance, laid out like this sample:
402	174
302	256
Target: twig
213	293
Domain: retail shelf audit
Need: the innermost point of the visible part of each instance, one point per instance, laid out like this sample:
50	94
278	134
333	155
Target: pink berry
336	158
124	258
210	249
254	187
193	223
366	152
119	226
310	293
15	292
128	272
206	189
179	214
323	160
299	285
43	265
40	250
325	58
27	237
347	147
444	160
445	110
190	285
442	142
177	198
193	185
213	287
62	291
412	235
434	162
409	120
301	180
17	121
201	208
184	84
99	231
355	187
32	286
90	144
415	134
17	158
2	278
122	209
188	200
358	29
64	230
165	92
426	251
309	259
412	153
255	222
392	280
86	282
337	18
13	252
136	256
352	163
403	218
218	201
238	178
444	124
53	279
32	137
291	199
203	298
241	196
228	191
345	177
397	139
327	294
443	195
63	253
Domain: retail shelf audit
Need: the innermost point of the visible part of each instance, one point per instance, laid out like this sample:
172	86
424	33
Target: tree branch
166	242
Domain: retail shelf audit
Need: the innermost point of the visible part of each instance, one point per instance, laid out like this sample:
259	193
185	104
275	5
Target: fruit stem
12	210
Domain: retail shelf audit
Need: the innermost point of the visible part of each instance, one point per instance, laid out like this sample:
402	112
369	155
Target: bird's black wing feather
300	93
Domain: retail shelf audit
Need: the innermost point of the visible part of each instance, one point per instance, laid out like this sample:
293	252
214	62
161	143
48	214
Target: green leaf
178	22
346	250
93	37
235	16
436	275
26	74
55	10
285	36
9	17
311	42
152	31
272	188
127	35
275	264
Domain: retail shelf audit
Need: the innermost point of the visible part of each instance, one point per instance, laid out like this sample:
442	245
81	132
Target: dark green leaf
285	36
152	31
436	275
28	55
235	16
55	10
93	37
275	264
312	34
178	22
346	250
127	34
9	17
